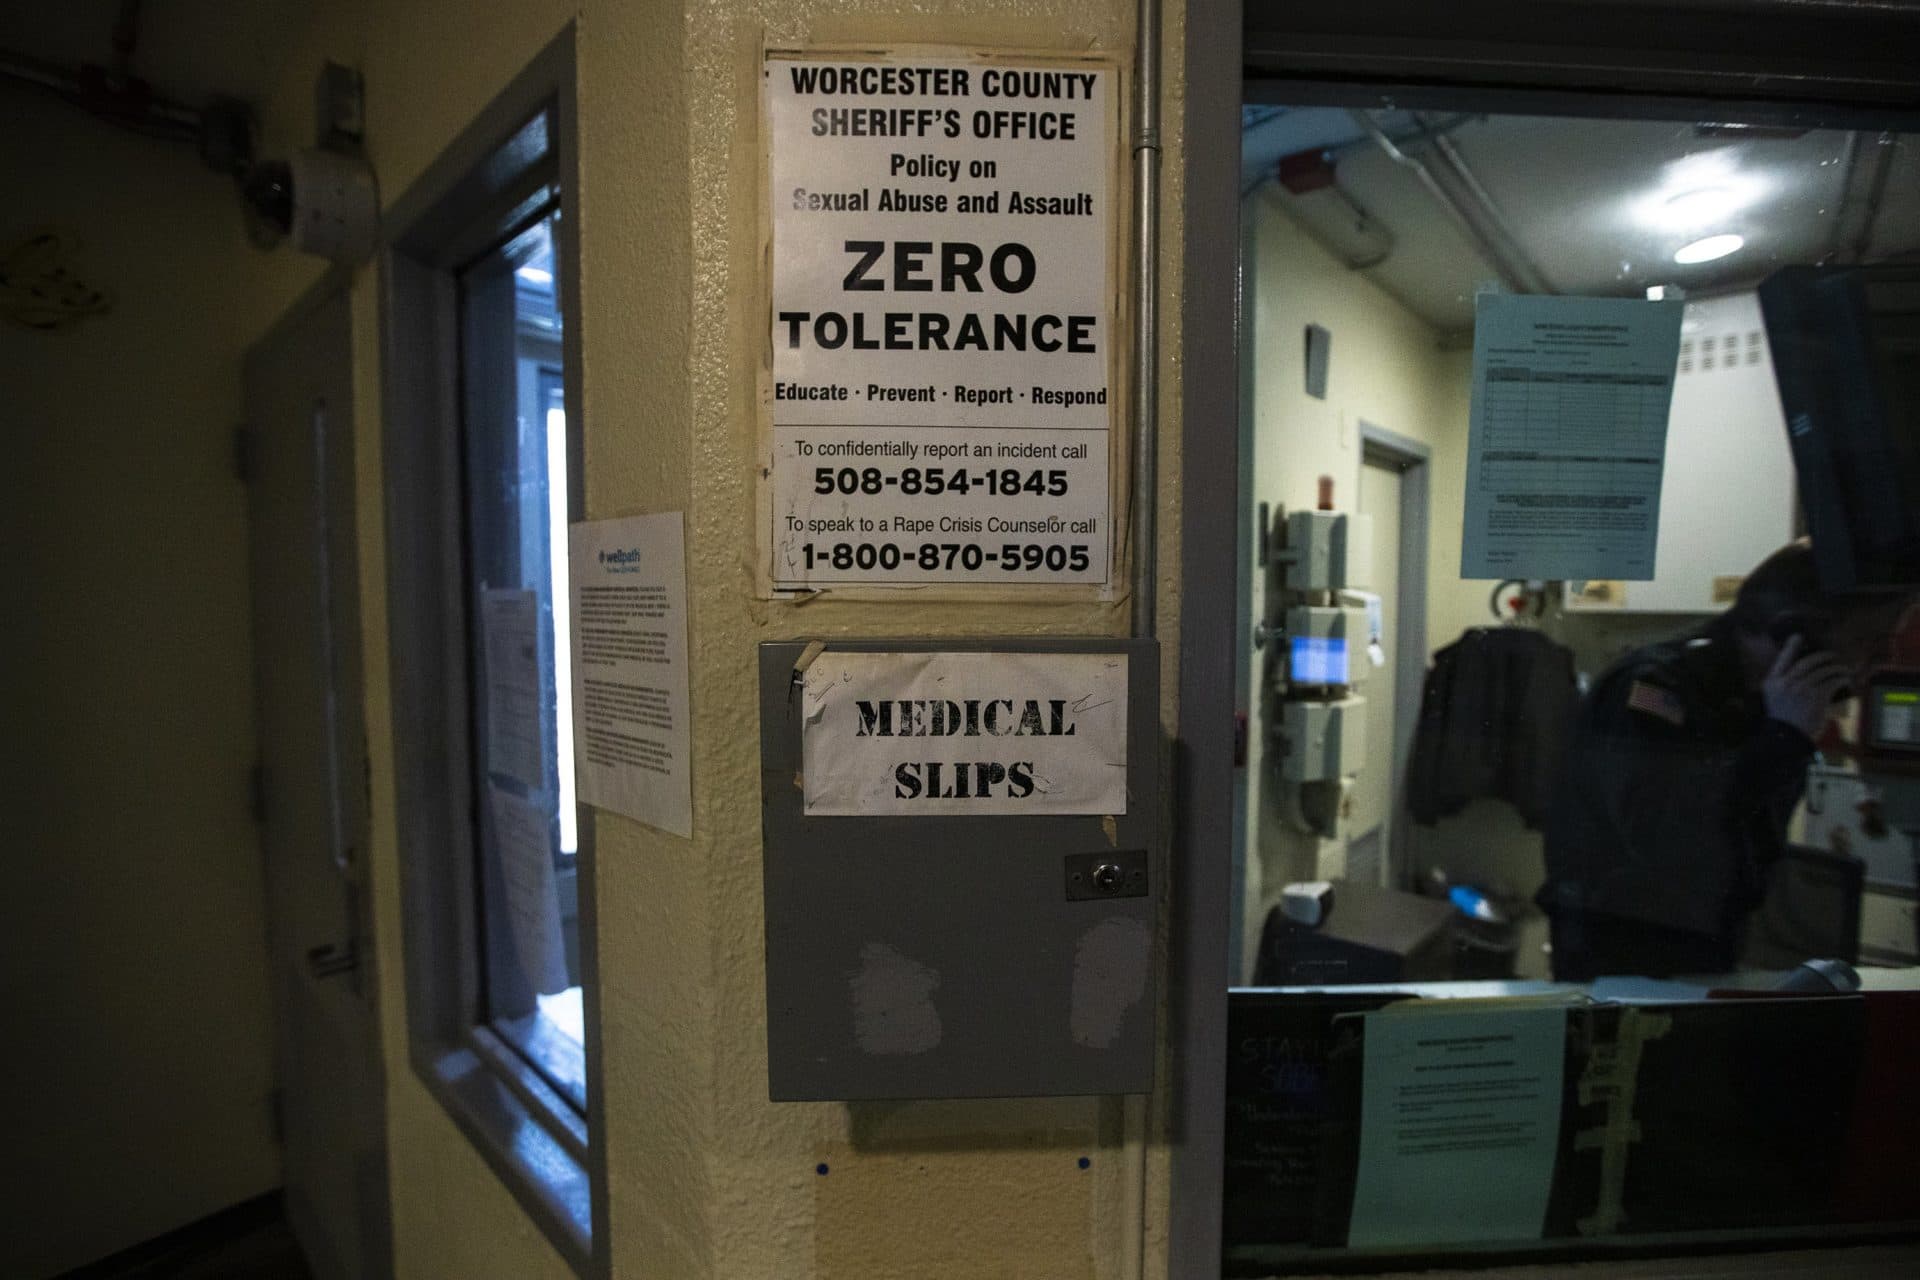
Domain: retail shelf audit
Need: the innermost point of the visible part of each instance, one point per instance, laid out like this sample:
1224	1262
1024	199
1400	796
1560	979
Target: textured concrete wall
913	1190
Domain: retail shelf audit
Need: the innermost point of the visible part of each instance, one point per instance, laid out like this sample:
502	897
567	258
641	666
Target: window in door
482	476
514	438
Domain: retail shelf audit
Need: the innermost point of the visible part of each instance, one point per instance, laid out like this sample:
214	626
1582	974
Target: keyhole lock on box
1113	874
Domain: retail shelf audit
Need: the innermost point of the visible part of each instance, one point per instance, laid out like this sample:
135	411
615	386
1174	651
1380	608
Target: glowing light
1695	192
1709	249
534	275
1700	205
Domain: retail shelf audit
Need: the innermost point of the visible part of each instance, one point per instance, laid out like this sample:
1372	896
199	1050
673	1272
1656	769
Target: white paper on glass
523	844
510	644
1568	436
1459	1124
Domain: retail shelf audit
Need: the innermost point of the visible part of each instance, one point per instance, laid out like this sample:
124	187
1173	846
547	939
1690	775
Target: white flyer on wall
964	733
629	588
942	319
1568	436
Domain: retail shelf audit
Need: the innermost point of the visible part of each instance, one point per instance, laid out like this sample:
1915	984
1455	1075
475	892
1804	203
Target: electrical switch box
1324	741
962	868
1316	550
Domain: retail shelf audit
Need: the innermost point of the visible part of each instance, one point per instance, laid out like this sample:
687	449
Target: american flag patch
1657	702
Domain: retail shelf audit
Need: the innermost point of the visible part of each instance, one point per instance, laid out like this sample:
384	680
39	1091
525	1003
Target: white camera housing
336	206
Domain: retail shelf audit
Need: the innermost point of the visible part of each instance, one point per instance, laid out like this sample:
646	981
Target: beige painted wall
707	1177
1387	369
138	1060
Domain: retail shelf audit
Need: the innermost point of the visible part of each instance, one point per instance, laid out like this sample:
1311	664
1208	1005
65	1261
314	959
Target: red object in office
1305	171
1326	493
1905	648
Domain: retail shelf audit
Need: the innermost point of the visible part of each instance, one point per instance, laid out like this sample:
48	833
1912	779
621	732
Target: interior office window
482	476
514	447
1447	808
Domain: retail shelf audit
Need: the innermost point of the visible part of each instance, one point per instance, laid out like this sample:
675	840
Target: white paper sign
510	621
965	733
1459	1125
522	842
1568	436
942	319
629	583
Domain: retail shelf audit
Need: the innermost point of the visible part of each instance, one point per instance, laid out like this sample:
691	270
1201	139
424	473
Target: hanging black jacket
1676	793
1493	719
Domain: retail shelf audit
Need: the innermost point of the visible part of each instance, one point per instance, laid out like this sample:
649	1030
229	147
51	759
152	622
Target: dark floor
247	1242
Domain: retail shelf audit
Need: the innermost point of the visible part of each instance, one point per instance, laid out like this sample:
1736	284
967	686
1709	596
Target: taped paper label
965	733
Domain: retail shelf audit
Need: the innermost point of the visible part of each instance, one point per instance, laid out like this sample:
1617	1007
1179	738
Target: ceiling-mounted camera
324	201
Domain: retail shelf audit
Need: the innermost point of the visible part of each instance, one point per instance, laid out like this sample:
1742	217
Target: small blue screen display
1317	660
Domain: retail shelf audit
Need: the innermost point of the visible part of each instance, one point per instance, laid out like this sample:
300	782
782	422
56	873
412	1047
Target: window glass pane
1546	693
1569	773
515	448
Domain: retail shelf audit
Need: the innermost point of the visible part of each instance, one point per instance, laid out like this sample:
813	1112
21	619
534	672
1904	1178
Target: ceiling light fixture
1695	192
535	275
1700	205
1709	249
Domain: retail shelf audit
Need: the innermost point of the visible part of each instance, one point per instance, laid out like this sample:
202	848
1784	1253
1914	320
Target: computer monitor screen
1894	711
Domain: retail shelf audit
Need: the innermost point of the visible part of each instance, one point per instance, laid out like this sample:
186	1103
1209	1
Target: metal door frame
1412	460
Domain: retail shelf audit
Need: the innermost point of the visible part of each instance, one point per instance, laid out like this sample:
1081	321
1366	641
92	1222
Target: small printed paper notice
965	733
1459	1125
629	584
943	334
523	842
1568	436
511	647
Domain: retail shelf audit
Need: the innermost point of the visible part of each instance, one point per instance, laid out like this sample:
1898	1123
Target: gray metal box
1326	741
959	956
1317	550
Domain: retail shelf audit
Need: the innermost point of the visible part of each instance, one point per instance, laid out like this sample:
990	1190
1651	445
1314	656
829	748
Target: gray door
298	444
1374	790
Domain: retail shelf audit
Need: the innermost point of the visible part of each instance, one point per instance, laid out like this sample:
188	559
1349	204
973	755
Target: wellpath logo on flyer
621	560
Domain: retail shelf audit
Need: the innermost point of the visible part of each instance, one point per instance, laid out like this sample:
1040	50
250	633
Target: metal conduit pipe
1876	193
1146	337
1490	251
1516	256
1142	509
156	113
